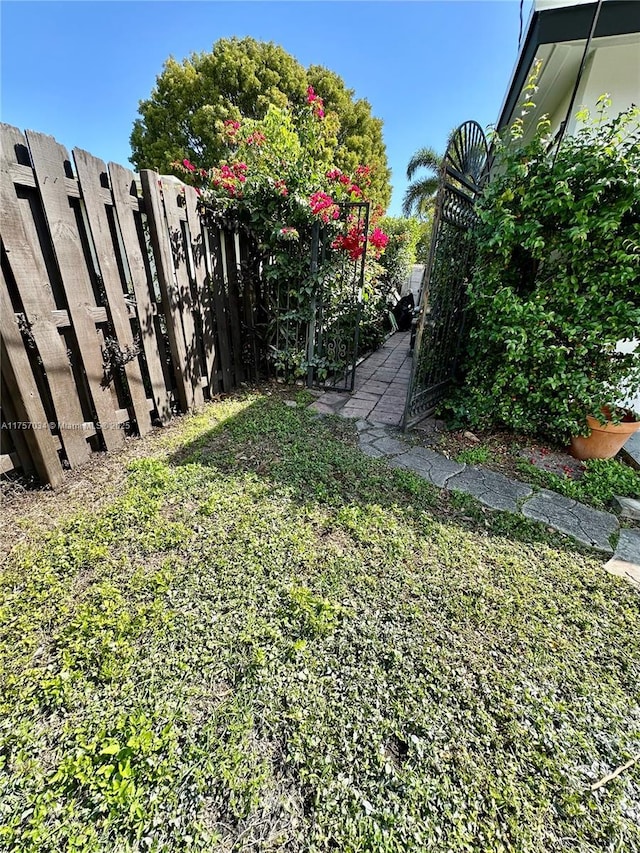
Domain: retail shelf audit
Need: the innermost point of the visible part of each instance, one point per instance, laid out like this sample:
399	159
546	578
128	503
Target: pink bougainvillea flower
333	174
316	101
355	190
188	165
344	179
378	238
231	127
281	187
320	201
324	206
288	233
352	242
256	138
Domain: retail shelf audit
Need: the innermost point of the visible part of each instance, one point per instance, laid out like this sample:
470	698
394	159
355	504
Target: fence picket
89	171
229	244
164	267
21	455
28	267
203	288
48	159
24	393
127	204
248	279
213	249
176	215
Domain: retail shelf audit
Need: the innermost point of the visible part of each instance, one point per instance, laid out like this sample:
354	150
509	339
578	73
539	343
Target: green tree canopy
185	114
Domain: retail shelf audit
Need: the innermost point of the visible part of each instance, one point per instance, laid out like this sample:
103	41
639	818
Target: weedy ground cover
263	640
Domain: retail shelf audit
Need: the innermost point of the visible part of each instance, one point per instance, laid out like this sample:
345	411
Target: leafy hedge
557	280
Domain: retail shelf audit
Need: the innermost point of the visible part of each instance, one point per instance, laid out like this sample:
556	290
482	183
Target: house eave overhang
562	25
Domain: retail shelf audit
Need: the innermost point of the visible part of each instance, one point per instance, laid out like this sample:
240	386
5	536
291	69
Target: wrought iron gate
315	319
336	309
463	173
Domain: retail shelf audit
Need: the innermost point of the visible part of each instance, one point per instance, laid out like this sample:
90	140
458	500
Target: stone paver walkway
382	381
377	404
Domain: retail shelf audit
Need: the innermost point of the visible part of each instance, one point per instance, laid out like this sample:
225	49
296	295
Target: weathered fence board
235	306
203	306
164	267
25	396
214	254
42	316
90	170
249	280
48	161
127	205
14	451
184	304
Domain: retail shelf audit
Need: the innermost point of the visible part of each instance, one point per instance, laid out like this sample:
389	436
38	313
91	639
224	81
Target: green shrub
557	280
603	478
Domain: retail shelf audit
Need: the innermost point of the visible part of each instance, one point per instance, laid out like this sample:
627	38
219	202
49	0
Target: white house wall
612	70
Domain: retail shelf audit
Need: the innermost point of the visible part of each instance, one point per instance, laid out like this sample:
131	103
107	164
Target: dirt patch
30	510
497	450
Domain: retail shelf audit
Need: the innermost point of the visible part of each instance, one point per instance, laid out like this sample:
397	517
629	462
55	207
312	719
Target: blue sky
76	70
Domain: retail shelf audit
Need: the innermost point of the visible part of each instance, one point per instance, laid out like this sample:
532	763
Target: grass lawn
261	640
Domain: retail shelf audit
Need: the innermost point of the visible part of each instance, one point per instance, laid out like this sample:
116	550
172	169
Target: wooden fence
118	306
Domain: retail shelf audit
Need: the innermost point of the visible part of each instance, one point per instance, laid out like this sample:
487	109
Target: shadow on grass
317	460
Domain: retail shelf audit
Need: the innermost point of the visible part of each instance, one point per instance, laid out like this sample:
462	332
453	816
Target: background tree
184	116
400	252
420	194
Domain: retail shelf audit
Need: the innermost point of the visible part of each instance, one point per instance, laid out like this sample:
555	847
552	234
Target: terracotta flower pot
605	440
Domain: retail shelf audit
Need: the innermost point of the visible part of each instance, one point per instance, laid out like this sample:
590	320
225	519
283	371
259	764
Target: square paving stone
367	396
355	412
373	386
628	507
333	398
396	392
390	405
385	418
629	546
373	432
631	449
626	561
